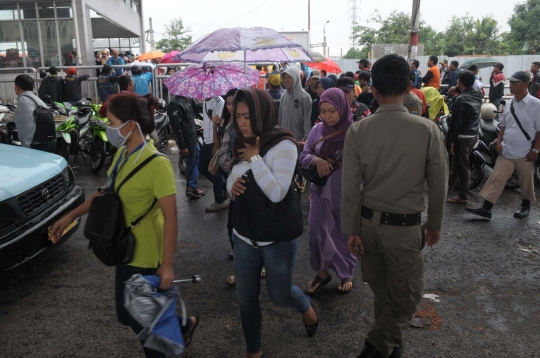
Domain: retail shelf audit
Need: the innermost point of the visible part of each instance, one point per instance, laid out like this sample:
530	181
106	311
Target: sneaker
216	207
196	193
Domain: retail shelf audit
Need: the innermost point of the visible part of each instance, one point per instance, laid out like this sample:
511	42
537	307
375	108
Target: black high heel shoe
312	329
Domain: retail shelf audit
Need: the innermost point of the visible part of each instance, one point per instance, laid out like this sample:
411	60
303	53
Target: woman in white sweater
266	155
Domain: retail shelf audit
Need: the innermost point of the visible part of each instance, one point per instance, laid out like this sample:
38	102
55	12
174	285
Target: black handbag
111	241
312	174
523	130
257	218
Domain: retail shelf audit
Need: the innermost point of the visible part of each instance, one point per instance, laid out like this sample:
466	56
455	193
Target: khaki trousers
393	266
503	170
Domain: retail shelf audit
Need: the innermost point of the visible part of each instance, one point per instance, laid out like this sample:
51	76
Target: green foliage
176	37
524	37
355	54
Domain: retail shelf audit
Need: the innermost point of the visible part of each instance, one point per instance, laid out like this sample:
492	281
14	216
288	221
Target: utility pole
415	29
151	36
342	53
308	15
324	41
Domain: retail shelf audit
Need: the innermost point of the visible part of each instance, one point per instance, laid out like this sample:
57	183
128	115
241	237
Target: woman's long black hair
226	115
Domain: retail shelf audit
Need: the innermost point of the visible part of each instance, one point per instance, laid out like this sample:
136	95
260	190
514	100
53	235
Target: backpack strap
518	122
35	102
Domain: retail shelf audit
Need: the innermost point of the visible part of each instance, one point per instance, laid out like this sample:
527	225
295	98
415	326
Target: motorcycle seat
488	126
68	106
83	118
160	119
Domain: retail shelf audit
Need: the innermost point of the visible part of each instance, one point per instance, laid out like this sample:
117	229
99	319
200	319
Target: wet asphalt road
489	294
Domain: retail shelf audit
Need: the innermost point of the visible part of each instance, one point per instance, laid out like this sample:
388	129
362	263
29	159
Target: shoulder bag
523	130
111	241
259	219
312	174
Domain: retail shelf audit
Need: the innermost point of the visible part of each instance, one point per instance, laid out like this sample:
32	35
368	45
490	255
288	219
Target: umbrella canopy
210	80
152	55
328	65
251	45
168	57
481	62
316	56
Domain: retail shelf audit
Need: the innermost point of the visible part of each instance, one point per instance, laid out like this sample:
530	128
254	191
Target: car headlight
7	216
68	174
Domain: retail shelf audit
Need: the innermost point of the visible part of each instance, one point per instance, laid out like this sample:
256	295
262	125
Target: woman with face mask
328	245
154	186
265	159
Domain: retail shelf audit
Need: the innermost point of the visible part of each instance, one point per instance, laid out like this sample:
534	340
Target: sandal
263	272
456	200
321	282
343	282
230	281
312	329
189	337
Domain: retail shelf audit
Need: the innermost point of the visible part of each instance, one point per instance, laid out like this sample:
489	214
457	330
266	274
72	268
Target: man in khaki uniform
394	153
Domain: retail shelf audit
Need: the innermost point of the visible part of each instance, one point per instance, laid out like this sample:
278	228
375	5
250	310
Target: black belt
393	219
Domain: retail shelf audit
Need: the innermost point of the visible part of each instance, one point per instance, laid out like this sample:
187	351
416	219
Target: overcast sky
204	16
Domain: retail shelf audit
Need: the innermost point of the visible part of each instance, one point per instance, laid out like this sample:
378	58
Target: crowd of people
266	143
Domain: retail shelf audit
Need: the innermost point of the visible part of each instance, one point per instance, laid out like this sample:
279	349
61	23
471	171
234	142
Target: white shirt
215	104
273	174
515	144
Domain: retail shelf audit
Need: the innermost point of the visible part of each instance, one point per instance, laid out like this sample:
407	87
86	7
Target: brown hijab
263	119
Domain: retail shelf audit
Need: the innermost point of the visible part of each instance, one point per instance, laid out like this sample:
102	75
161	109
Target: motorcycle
163	127
74	136
5	131
100	147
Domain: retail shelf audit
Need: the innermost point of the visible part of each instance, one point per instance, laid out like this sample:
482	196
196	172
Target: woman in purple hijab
327	243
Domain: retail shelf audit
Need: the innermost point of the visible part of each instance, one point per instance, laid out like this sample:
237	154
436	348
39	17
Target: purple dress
327	243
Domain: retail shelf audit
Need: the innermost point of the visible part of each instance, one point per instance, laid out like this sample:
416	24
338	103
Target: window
64	10
10	45
9	12
50	43
135	5
46	10
68	45
28	10
31	37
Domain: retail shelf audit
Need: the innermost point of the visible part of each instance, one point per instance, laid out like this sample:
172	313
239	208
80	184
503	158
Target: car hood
21	169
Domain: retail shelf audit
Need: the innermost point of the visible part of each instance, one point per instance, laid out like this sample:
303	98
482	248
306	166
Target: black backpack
45	127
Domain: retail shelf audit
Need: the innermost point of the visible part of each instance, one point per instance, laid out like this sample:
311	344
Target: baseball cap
345	84
104	51
316	73
520	76
444	62
274	79
72	71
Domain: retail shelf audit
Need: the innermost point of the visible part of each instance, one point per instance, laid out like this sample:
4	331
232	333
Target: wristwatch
254	159
536	150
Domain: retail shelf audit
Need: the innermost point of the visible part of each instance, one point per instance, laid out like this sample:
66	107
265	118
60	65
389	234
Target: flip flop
343	282
456	200
189	338
321	282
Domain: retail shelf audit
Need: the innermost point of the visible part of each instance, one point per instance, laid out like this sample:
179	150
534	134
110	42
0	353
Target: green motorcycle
100	147
73	136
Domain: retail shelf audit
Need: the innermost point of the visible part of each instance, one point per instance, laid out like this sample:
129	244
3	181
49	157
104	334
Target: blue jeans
217	180
192	165
278	259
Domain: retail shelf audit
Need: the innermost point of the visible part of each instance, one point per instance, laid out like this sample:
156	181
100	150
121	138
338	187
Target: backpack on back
45	127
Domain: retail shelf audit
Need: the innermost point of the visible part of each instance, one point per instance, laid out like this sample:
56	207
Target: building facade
65	33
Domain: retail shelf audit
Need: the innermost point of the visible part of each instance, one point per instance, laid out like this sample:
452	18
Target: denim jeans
278	259
192	165
124	273
217	180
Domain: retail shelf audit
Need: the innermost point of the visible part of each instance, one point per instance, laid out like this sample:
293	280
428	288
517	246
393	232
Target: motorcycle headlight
7	216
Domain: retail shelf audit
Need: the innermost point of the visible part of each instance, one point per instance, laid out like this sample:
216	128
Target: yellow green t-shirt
155	180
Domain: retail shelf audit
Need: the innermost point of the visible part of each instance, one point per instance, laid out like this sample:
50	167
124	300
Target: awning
104	29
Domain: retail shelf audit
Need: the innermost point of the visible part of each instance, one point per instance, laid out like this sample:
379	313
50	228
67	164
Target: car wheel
97	155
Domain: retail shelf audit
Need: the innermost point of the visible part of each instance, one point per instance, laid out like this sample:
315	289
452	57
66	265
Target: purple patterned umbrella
248	45
210	80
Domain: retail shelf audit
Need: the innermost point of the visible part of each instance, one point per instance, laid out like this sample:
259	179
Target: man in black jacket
463	135
73	85
181	111
534	86
52	86
496	86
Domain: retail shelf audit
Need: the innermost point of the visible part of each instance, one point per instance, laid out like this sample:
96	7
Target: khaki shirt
395	153
414	104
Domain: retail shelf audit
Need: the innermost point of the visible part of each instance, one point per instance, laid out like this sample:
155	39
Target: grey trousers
461	168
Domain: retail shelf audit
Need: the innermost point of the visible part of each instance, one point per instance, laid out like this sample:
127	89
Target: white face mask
115	136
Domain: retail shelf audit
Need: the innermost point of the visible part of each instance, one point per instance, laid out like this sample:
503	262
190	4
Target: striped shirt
273	174
515	144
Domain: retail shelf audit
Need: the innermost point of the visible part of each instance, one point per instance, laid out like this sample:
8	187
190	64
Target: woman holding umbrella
263	170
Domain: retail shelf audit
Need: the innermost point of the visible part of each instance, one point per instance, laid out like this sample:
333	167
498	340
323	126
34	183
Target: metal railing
10	83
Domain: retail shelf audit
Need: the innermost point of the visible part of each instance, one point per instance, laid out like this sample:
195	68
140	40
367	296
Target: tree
176	37
355	54
524	37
